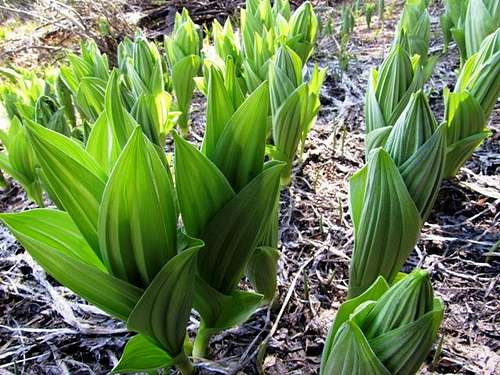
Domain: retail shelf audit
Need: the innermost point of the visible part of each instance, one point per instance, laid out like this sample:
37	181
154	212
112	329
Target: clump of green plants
396	189
381	11
470	104
264	29
158	235
388	93
389	329
369	12
184	62
119	227
27	97
452	23
348	21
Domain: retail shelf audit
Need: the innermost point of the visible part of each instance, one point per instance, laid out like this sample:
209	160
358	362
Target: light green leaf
122	122
423	171
221	311
103	144
90	97
219	111
376	138
163	311
202	189
262	269
183	73
142	355
77	272
137	217
74	176
388	226
232	234
351	354
403	350
239	153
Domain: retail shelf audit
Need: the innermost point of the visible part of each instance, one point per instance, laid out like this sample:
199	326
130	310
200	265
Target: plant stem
184	365
201	342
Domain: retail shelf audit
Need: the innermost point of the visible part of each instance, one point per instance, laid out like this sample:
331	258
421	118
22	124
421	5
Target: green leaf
357	189
74	176
464	115
145	113
90	97
466	129
388	227
373	293
262	269
239	153
376	138
480	21
221	311
413	128
103	144
55	229
142	355
394	78
7	167
288	124
423	171
137	217
351	354
403	350
233	232
459	152
219	111
202	189
123	123
405	302
163	311
183	73
73	268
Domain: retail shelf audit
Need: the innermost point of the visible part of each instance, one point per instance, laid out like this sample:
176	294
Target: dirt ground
46	329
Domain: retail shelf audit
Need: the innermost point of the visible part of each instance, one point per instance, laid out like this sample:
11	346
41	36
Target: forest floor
46	329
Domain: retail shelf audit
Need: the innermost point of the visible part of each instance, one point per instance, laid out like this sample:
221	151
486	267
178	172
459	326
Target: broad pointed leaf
77	271
137	217
74	176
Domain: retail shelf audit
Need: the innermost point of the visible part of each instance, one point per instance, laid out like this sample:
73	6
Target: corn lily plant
151	280
471	102
119	231
114	125
347	20
389	329
392	195
389	90
468	23
258	41
264	29
303	31
294	106
482	18
413	34
369	12
184	61
86	77
415	25
19	161
144	88
226	195
28	97
452	24
227	44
